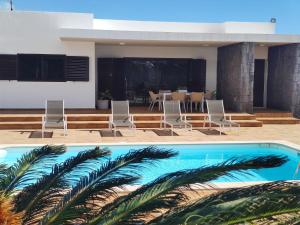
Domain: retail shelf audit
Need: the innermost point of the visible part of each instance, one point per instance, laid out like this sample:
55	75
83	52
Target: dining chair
197	98
154	98
181	97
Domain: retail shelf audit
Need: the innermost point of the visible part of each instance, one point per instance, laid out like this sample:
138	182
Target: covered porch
248	76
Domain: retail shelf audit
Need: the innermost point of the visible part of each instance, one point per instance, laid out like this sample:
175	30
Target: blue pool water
193	156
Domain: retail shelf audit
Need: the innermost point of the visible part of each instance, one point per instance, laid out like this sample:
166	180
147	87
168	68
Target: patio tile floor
289	133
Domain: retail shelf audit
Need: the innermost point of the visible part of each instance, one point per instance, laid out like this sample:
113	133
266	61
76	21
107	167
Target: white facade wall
208	53
38	33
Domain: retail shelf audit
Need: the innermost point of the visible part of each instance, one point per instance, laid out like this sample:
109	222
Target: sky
287	12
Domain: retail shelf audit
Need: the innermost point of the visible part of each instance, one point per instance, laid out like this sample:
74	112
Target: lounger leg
65	129
150	106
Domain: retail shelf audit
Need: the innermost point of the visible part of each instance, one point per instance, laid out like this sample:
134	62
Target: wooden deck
30	119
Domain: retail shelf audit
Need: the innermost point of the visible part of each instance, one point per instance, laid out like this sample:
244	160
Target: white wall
208	53
23	32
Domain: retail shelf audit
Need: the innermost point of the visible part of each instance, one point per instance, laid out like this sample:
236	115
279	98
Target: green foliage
99	185
168	191
64	196
22	171
238	206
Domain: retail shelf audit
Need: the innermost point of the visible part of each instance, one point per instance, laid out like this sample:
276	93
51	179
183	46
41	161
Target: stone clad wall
235	76
284	78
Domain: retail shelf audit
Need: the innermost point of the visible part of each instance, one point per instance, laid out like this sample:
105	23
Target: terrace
91	126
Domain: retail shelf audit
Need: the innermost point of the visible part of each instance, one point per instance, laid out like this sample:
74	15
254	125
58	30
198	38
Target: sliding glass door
133	78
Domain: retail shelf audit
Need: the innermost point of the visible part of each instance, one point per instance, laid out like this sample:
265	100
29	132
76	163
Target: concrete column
284	78
235	76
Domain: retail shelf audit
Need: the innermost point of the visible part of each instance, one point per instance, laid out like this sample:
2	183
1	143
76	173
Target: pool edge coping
278	142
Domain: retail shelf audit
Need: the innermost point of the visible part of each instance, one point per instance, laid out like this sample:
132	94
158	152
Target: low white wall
208	53
38	33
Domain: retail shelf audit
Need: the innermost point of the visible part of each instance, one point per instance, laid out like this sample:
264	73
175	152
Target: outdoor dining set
187	99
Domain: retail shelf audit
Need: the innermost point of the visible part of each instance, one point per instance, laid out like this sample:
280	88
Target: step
279	120
104	124
105	117
273	114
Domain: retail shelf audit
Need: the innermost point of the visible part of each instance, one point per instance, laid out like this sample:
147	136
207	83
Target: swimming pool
193	156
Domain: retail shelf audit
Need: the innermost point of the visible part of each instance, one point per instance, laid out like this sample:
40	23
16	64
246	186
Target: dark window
8	67
197	75
33	67
29	67
53	68
77	68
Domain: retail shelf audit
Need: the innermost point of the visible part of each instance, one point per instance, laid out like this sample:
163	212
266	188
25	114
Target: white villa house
75	57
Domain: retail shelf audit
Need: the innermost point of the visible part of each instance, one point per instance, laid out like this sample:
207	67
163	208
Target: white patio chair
120	116
216	115
154	98
54	116
172	116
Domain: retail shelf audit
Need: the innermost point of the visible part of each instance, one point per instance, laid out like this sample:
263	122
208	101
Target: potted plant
103	99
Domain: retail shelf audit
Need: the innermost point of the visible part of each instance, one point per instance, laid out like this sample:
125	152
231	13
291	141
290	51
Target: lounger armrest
228	116
110	118
43	119
183	117
131	118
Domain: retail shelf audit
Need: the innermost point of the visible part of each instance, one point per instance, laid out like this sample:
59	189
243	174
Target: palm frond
21	171
103	181
35	199
127	209
3	171
239	206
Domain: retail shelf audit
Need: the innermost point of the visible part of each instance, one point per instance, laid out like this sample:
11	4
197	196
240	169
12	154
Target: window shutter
77	68
8	67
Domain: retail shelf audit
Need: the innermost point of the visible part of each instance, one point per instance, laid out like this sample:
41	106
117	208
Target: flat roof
172	38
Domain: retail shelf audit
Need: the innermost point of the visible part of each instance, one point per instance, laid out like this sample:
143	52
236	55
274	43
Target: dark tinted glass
133	78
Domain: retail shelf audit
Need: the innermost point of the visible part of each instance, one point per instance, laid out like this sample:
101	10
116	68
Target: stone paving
290	133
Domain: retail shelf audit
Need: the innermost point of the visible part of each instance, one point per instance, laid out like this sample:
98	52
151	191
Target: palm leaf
101	183
39	197
239	206
21	172
139	203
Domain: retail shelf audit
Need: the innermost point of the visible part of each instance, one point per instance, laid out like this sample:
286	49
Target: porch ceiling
110	37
